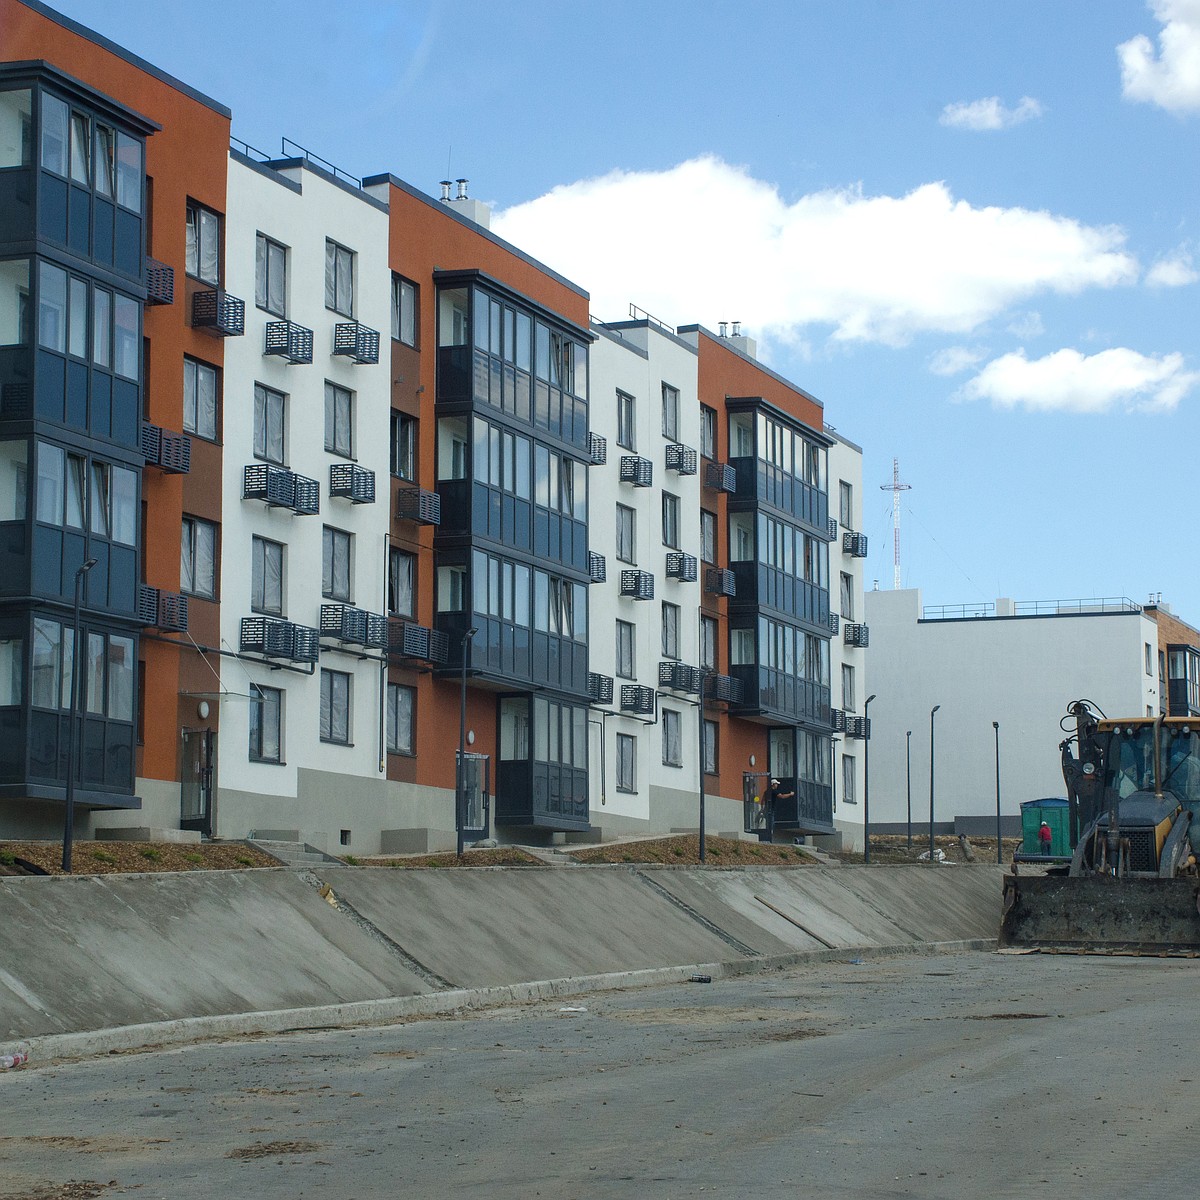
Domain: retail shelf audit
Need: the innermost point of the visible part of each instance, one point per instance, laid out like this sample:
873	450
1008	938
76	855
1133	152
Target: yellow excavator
1130	884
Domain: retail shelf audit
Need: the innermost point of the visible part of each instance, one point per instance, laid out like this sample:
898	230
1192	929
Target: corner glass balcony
218	313
289	341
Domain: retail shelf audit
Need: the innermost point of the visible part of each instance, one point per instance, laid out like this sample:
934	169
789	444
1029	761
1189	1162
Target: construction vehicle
1130	884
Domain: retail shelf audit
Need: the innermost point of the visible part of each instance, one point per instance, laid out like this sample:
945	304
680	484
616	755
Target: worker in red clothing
1045	836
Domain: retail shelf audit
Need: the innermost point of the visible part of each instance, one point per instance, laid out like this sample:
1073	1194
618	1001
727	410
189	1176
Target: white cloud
1175	270
705	241
954	360
1068	381
1027	326
1169	77
989	113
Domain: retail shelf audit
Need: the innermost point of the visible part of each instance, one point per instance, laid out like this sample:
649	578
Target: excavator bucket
1099	914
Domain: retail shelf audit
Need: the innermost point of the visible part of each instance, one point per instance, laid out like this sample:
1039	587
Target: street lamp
999	856
867	779
703	747
931	712
908	780
460	781
72	717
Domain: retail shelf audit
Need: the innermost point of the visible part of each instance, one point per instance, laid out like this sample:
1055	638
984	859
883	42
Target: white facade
300	209
1020	670
631	365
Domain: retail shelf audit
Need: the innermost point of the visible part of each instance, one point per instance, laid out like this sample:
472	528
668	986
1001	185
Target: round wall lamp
203	709
470	737
752	760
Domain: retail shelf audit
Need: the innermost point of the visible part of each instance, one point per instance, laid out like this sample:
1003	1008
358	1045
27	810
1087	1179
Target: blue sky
970	229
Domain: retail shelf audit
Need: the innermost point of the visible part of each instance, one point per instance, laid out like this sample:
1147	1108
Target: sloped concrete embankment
168	957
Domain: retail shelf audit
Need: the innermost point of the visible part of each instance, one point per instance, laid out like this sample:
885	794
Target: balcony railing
854	544
858	727
834	621
635	699
679	677
274	637
407	640
856	634
720	581
683	567
721	477
160	282
597	567
420	505
288	341
356	342
637	470
281	488
833	528
600	688
160	609
726	688
352	482
837	720
638	584
682	459
597	449
218	313
170	452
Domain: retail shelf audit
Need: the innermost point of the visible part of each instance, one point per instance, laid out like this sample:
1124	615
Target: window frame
194	245
708	536
403	446
188	554
626	516
672	732
334	300
399	285
670	412
192	368
258	707
846	595
334	393
329	724
331	537
258	579
671	614
626	755
627	631
708	432
392	732
846	504
849	699
263	398
397	554
626	420
263	274
670	520
714	743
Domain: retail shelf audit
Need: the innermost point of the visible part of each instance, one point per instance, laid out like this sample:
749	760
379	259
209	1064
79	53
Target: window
266	574
848	688
266	710
339	279
404	446
52	308
269	425
202	255
55	116
670	412
708	536
270	275
708	643
198	558
335	571
845	504
50	680
672	737
670	630
625	414
452	589
626	762
847	598
404	311
626	528
670	520
741	647
1149	659
335	707
339	419
624	665
711	760
402	583
708	431
401	723
200	399
849	791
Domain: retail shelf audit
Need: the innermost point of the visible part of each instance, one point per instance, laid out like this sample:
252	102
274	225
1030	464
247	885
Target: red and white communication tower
895	487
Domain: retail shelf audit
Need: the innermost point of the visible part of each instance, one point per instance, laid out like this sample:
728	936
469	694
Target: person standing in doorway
1045	837
771	798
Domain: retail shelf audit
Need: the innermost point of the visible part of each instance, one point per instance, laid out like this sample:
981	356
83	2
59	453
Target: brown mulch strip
500	856
685	850
119	858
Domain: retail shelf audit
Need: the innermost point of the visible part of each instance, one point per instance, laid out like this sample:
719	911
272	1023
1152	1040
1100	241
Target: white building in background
1017	664
644	510
305	423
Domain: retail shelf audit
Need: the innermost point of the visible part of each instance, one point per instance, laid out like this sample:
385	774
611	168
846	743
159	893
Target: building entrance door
197	780
477	801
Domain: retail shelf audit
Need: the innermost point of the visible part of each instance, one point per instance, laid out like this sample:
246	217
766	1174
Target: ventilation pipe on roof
446	185
462	188
723	326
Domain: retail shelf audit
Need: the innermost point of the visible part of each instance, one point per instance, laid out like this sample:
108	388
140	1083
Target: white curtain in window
330	275
191	254
79	149
269	722
95	674
260	271
46	638
210	246
124	506
672	738
120	678
206	401
204	583
272	577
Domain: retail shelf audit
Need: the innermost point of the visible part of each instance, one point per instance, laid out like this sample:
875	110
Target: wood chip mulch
120	858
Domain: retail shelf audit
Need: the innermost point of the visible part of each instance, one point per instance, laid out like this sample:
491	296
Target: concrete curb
156	1035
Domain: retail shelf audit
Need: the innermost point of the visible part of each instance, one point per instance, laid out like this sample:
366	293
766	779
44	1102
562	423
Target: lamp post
867	779
72	717
931	713
703	747
460	780
908	780
999	855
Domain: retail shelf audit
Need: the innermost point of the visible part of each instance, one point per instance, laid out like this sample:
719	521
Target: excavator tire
1101	915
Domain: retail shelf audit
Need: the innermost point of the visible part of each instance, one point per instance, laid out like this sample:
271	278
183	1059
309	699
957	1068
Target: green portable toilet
1056	812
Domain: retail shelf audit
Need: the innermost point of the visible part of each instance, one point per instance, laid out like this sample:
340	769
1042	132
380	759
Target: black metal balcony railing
637	470
858	727
407	640
378	635
679	677
636	699
597	567
837	720
218	313
726	688
420	505
721	477
638	584
856	634
834	621
356	342
274	637
600	688
682	459
170	452
160	282
281	488
345	623
833	528
352	482
854	544
288	341
683	567
159	609
720	581
597	449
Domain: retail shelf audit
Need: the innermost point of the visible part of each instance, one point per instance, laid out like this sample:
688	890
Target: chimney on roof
462	188
446	185
461	203
723	326
740	341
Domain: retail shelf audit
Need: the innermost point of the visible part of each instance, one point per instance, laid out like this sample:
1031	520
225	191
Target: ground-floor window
849	792
626	762
266	710
401	719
